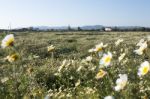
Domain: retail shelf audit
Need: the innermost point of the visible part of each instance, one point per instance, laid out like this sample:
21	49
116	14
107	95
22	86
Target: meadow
73	68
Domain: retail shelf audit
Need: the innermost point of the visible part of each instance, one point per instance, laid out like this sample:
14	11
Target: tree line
102	29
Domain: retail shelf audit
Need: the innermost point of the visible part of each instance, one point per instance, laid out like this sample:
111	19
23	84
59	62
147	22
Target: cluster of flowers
50	48
106	61
142	46
8	41
145	66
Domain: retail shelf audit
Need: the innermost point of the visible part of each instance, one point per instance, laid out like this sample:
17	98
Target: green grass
72	46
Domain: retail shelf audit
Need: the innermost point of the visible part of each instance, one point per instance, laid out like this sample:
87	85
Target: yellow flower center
10	42
99	48
145	70
14	57
107	59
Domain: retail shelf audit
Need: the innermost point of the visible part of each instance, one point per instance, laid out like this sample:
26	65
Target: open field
64	73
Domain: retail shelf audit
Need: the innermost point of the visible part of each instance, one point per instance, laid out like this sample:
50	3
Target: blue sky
23	13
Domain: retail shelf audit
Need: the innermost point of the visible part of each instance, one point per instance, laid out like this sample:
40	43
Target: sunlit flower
89	58
8	41
109	97
121	82
121	57
118	42
50	48
144	68
106	59
11	58
99	47
140	51
100	74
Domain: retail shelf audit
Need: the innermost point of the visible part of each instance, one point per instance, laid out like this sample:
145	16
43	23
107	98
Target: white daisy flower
106	59
140	51
121	82
99	47
144	68
8	41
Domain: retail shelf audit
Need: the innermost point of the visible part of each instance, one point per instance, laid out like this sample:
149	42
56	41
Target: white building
108	29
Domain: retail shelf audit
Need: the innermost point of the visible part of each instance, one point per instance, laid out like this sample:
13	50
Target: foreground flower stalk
51	49
8	41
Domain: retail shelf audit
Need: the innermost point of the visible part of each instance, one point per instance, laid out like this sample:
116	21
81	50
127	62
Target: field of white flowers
77	65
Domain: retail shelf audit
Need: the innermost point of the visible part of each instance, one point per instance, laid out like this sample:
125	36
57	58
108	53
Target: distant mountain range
89	27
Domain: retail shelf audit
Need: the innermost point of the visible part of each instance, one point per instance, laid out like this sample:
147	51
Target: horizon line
10	27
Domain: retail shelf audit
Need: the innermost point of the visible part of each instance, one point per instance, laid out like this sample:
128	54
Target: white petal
117	88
